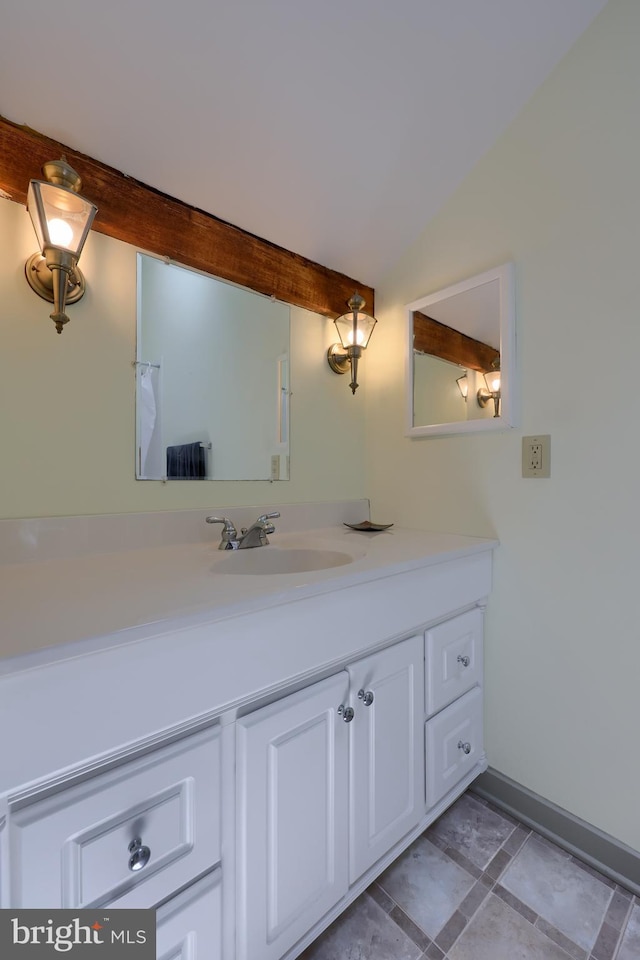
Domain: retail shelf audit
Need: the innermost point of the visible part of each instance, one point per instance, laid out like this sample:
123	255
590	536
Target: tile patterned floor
477	885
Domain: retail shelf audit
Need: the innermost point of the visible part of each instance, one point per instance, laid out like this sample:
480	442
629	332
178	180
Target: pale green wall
560	195
67	422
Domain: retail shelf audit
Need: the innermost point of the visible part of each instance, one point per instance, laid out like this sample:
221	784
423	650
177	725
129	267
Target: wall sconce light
62	220
463	386
354	329
492	390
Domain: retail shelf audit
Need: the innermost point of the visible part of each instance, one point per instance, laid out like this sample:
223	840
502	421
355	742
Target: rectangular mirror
460	366
212	382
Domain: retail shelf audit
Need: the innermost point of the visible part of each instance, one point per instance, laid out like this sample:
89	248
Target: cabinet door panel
292	794
387	754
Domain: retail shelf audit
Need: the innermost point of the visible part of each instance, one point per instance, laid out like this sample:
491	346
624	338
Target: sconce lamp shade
60	217
354	329
62	220
463	386
492	380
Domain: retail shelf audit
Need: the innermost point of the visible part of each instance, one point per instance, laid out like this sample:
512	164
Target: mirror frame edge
505	273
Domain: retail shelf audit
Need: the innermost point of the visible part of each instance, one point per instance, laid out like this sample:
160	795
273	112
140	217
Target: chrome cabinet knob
465	746
366	697
347	713
140	855
465	661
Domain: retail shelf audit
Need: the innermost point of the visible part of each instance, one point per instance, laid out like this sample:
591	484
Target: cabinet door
292	760
387	753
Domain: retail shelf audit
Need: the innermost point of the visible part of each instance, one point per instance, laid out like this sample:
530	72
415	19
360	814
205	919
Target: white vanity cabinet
329	779
297	733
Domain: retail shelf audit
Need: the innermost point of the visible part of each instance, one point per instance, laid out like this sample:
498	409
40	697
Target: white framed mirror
456	336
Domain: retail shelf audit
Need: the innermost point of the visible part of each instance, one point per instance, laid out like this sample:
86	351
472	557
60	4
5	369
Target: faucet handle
229	532
268	516
228	525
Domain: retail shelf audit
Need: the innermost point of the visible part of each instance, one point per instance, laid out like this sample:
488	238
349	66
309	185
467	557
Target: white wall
67	413
560	195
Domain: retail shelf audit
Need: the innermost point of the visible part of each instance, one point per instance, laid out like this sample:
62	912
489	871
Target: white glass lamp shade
355	329
463	385
61	218
492	380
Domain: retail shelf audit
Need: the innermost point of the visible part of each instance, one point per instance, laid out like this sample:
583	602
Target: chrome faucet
254	536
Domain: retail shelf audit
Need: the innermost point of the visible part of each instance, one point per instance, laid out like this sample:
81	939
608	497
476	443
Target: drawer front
453	659
190	925
454	744
77	848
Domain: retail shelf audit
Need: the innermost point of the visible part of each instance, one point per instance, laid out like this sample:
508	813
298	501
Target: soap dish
369	526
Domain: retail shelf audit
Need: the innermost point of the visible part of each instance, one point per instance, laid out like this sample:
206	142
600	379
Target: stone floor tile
474	829
630	945
606	943
499	933
363	932
427	885
559	890
619	908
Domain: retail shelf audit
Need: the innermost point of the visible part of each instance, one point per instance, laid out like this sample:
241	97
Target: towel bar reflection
145	363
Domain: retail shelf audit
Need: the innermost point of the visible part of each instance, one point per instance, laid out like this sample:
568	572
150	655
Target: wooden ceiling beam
439	340
156	223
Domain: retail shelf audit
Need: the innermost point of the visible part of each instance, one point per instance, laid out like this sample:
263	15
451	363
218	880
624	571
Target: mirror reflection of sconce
492	390
354	329
463	386
62	220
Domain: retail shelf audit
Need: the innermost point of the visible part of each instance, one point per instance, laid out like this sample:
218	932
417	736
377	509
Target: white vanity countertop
99	599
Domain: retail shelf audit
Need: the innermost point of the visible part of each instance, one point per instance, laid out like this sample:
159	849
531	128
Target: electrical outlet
275	467
536	456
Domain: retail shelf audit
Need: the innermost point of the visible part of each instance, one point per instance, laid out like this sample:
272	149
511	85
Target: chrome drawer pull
464	746
140	855
347	713
463	660
366	697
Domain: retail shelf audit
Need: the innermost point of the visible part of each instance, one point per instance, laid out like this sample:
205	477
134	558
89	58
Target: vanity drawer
453	659
190	925
72	848
454	744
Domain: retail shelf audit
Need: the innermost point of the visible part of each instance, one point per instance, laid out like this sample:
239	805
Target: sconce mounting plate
40	279
338	359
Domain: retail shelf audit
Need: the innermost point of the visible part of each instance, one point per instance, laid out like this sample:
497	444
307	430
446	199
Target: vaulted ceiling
334	128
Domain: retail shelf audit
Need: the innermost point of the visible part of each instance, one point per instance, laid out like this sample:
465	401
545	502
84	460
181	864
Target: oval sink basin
273	560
